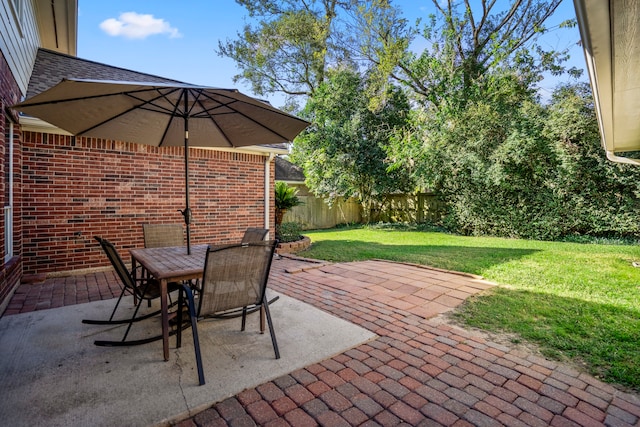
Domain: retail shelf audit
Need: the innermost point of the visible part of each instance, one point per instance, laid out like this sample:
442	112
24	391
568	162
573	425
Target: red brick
269	391
347	374
406	413
335	401
387	419
410	383
102	211
533	409
366	404
318	387
530	382
503	405
531	420
439	414
331	419
591	411
626	405
283	405
209	417
230	408
299	394
559	395
365	386
414	400
330	378
384	398
354	416
248	396
261	412
278	422
582	419
487	409
316	369
521	390
299	418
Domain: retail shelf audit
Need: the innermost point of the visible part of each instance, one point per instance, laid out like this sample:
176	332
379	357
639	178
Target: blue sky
178	39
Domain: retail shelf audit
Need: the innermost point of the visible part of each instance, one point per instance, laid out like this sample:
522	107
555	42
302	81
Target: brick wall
11	271
77	188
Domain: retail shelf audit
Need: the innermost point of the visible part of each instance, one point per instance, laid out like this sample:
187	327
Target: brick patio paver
419	371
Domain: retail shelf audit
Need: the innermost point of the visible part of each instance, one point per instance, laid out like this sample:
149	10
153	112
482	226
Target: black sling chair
142	289
235	277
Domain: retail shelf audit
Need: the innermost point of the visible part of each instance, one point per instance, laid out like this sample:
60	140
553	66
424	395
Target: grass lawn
578	302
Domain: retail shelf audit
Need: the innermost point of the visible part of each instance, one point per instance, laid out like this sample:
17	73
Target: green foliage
343	154
286	197
508	165
291	44
601	196
466	44
466	121
288	232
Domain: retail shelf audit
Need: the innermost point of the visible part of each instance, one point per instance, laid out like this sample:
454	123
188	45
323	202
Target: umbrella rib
228	105
135	107
171	117
215	123
81	98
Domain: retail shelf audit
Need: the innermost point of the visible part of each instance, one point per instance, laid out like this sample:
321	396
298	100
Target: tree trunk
279	215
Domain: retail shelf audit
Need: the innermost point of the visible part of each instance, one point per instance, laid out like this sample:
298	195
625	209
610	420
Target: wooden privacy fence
413	208
315	213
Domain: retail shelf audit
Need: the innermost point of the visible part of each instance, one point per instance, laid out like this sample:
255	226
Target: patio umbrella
163	115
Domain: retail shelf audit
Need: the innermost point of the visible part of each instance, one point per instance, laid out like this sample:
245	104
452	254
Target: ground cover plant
578	302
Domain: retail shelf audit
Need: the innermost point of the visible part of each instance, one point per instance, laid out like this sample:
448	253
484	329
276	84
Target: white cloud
134	25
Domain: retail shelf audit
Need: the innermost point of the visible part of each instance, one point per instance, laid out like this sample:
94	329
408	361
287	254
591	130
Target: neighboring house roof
287	171
611	41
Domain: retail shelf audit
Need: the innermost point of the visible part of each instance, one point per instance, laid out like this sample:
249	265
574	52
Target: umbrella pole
187	209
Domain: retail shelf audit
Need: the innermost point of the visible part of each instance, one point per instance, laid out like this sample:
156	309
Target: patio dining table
169	264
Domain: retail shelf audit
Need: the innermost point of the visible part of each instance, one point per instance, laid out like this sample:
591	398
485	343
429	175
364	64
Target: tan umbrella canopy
162	115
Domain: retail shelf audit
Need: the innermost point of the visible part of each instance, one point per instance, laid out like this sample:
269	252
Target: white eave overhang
58	25
611	40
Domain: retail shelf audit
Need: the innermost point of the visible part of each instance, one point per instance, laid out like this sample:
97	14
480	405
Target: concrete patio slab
54	375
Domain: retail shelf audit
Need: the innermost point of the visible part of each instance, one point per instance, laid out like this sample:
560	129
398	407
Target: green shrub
289	232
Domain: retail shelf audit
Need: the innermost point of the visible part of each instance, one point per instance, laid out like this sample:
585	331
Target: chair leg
106	322
244	318
117	304
179	326
133	319
194	330
271	331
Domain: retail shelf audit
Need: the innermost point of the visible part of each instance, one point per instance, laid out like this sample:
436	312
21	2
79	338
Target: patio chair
251	234
143	289
235	277
254	235
162	235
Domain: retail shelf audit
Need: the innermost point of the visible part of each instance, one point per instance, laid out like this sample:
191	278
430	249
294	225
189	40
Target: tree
294	43
343	153
290	47
601	197
465	41
488	161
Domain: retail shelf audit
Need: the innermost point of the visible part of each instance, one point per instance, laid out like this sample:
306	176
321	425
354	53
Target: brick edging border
292	247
